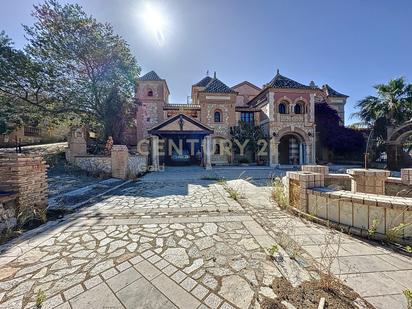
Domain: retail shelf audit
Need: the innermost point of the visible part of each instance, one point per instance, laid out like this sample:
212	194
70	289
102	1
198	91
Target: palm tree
393	103
392	106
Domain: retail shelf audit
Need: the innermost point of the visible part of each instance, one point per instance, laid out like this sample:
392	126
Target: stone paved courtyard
175	240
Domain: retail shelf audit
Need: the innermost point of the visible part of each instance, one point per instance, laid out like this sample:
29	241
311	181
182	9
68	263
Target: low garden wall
94	164
119	165
394	186
315	192
365	212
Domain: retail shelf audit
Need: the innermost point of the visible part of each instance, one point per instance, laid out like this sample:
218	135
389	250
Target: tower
152	95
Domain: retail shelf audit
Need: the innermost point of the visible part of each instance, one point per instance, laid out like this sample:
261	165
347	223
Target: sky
349	44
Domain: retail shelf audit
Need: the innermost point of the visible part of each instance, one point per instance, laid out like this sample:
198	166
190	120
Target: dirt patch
308	294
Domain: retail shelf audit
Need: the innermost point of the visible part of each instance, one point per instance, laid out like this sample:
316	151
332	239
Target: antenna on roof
214	74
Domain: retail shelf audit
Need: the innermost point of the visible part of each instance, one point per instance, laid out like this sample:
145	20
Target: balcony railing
31	131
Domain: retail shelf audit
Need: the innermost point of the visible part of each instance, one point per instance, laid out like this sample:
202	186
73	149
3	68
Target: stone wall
397	187
94	164
356	212
25	175
361	211
129	166
136	165
8	216
342	181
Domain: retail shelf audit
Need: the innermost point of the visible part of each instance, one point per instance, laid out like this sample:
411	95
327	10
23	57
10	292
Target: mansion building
283	108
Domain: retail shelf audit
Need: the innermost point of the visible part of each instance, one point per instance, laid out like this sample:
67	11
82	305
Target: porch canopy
186	135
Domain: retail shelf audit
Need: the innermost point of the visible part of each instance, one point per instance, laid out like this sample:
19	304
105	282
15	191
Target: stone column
120	160
77	145
208	152
297	185
368	180
273	153
309	154
155	152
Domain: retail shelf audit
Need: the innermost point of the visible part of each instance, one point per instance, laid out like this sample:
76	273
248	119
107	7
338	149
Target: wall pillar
406	176
26	176
120	159
273	153
368	180
155	152
208	152
77	145
297	185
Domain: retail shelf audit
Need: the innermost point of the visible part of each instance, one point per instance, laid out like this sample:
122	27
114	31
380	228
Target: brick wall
8	216
26	176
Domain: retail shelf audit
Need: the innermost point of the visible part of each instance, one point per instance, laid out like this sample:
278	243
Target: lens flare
155	22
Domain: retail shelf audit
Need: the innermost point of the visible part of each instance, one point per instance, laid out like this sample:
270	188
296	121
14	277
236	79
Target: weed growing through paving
272	250
372	229
40	298
408	295
234	193
278	193
328	257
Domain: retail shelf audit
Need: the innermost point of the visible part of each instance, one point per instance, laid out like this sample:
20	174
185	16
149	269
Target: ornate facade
284	108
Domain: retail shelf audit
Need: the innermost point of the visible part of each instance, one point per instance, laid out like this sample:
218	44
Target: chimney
214	74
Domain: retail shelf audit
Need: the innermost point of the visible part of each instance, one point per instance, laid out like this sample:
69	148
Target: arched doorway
399	147
292	149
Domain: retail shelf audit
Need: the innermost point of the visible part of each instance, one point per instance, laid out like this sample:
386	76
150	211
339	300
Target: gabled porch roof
180	124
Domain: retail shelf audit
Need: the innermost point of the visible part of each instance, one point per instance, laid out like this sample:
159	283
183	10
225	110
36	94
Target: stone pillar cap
368	172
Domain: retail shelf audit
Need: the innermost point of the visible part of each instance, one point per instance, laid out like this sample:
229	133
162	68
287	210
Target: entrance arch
292	145
399	147
292	149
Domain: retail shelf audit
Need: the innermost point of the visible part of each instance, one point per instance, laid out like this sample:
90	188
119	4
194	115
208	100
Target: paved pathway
165	242
376	273
170	240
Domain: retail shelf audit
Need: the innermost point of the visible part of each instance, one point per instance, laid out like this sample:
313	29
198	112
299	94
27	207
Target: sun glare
155	22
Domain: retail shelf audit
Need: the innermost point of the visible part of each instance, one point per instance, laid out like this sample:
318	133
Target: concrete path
176	240
377	273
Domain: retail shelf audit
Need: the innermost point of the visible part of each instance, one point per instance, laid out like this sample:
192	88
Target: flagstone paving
166	241
378	274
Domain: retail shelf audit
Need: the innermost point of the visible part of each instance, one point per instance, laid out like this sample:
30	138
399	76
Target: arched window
218	116
298	109
150	93
282	108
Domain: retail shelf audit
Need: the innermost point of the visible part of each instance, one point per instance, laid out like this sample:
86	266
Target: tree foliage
334	136
72	65
249	132
393	101
391	106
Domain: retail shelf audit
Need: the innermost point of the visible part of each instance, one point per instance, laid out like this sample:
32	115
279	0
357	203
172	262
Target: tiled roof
203	82
150	76
332	92
216	86
280	81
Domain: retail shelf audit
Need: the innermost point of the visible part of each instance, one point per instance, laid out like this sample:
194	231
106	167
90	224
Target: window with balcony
298	109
